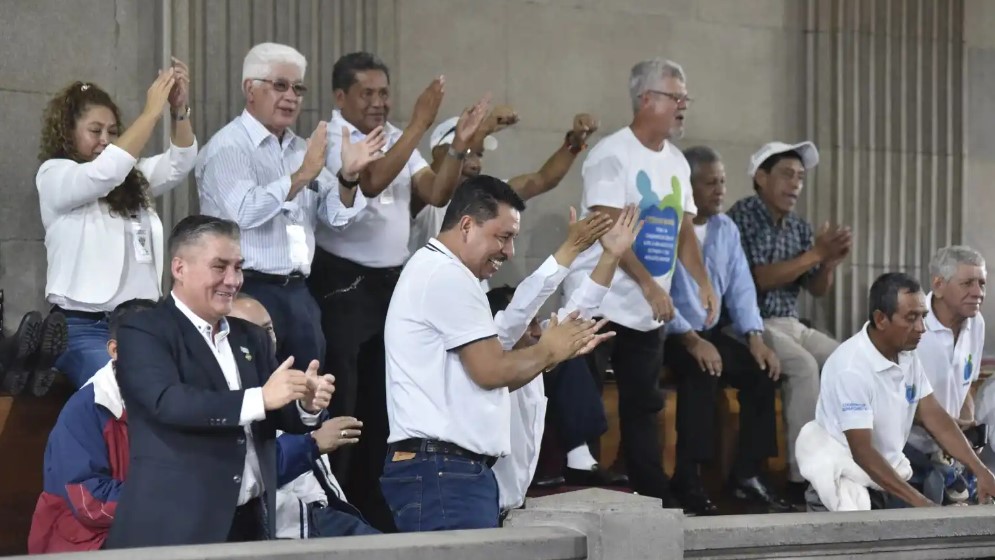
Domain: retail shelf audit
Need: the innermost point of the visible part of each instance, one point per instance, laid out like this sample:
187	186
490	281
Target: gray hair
646	74
700	155
945	262
190	230
261	58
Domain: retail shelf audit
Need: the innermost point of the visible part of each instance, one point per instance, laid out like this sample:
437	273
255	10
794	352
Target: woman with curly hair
102	235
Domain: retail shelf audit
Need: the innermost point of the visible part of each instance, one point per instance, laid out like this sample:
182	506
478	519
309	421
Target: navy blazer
187	449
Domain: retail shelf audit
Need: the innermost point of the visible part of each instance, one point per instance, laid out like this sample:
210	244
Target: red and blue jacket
86	462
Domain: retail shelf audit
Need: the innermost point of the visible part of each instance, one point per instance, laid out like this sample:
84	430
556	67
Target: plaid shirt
766	242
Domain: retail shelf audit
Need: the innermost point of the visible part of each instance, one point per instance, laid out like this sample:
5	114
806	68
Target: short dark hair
770	162
125	309
700	155
479	197
190	229
499	298
885	291
346	67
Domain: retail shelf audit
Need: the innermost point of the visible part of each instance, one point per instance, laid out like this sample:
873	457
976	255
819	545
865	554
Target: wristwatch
346	184
458	155
181	116
754	333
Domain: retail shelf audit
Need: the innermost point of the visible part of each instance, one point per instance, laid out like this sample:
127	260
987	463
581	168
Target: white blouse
97	259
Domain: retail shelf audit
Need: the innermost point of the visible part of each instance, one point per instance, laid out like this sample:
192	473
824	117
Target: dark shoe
15	350
755	490
549	482
692	495
54	340
594	477
795	492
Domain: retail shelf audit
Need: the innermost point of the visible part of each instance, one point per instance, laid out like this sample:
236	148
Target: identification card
299	256
141	241
387	196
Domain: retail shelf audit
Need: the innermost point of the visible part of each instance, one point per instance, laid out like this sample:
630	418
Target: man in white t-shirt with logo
448	378
950	351
872	388
639	165
357	264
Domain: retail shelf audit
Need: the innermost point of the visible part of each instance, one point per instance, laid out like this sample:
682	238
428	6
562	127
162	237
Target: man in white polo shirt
950	351
639	165
357	265
872	388
448	378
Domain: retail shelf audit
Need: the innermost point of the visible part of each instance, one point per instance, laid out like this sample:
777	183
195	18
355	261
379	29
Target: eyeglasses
678	98
281	86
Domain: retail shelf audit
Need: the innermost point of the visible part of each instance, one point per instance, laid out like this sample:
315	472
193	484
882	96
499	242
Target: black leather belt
418	445
92	315
280	279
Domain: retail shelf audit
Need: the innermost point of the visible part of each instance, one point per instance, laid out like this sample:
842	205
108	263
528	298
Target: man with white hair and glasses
256	172
950	351
639	165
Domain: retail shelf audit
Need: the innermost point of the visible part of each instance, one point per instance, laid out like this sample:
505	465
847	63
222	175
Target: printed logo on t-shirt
855	407
656	245
968	367
910	393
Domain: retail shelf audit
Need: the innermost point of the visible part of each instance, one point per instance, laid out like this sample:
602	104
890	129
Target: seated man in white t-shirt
950	352
428	219
448	377
872	388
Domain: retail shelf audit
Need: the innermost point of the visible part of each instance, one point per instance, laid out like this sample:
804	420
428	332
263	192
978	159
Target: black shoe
594	477
16	351
795	492
755	490
53	342
549	482
693	496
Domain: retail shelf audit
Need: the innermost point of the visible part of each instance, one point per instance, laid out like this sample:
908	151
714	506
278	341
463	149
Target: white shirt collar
259	133
201	325
934	324
355	134
877	360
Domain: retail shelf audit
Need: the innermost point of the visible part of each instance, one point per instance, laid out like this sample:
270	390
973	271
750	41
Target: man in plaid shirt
785	257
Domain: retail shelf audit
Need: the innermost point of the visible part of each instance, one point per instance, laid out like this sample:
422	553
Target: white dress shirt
92	263
514	473
253	406
378	236
243	175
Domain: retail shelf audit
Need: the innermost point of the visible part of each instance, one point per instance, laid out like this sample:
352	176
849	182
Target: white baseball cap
445	132
806	149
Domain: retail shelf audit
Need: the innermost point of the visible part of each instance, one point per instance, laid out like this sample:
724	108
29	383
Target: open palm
623	233
355	157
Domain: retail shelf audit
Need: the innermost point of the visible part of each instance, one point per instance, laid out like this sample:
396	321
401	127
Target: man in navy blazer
204	398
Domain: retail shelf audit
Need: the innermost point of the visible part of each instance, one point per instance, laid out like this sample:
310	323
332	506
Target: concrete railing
606	525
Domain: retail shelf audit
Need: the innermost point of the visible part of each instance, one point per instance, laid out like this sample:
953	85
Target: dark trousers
435	492
354	301
249	523
636	357
296	319
697	392
575	405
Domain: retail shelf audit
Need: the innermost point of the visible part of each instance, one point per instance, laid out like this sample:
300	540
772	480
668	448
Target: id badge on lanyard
141	241
299	256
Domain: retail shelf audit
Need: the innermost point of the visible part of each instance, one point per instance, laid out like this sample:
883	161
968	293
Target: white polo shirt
439	306
861	389
950	367
377	236
621	171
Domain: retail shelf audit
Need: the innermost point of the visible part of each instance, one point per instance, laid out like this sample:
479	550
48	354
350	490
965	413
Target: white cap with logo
806	149
445	132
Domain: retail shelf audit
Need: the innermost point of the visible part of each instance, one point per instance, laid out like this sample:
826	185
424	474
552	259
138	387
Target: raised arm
558	165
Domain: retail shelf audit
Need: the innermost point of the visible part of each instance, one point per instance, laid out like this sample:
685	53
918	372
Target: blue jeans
296	320
433	492
87	349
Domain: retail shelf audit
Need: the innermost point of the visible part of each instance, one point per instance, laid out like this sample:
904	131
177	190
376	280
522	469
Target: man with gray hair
256	172
205	396
950	351
639	165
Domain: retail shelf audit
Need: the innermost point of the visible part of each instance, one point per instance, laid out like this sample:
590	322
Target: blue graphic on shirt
910	393
656	245
968	367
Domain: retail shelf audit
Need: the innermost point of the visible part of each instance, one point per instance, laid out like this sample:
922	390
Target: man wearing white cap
785	257
428	218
